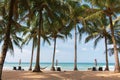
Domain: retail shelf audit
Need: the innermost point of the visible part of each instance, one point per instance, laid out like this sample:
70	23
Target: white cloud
57	51
84	49
110	46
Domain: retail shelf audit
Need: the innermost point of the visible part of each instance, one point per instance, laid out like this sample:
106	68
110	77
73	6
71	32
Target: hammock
43	67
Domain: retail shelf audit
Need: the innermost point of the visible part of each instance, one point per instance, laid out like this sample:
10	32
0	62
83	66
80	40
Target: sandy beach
63	75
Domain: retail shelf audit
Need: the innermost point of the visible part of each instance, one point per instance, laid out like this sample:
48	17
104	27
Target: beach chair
94	69
14	68
100	69
58	68
19	68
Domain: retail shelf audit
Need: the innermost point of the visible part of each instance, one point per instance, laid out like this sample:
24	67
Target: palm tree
55	36
39	8
45	12
10	33
55	33
30	68
57	28
37	67
116	33
109	8
7	37
30	33
98	30
76	17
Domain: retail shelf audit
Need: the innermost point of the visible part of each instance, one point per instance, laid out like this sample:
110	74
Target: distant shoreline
63	62
64	66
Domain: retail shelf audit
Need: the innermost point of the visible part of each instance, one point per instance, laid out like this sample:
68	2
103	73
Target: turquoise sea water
64	66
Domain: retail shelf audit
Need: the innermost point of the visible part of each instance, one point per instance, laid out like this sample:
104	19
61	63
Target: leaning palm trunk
37	66
106	55
117	68
75	56
31	56
7	38
53	60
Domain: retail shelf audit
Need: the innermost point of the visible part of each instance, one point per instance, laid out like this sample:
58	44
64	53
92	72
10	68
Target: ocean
64	66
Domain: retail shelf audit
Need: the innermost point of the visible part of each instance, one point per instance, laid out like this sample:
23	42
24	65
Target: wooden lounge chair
19	68
94	69
100	69
57	68
14	68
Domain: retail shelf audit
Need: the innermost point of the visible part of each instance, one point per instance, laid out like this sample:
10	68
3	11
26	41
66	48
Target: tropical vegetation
24	20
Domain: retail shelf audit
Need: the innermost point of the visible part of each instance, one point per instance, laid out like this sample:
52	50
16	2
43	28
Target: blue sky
64	52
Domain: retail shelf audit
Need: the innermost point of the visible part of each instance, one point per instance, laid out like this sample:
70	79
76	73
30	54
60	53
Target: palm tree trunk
37	66
75	56
117	68
53	59
7	38
106	55
31	56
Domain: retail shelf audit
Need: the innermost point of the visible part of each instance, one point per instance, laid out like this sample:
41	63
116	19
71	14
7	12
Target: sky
64	52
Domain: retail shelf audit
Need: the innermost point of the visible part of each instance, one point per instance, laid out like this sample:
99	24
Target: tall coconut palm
55	34
9	10
30	33
7	37
46	9
76	16
58	31
37	67
57	27
98	29
117	35
39	8
109	8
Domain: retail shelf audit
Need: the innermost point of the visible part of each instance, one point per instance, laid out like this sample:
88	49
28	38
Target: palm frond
91	36
96	41
10	47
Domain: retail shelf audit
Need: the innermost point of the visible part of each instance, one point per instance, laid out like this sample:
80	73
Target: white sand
68	75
